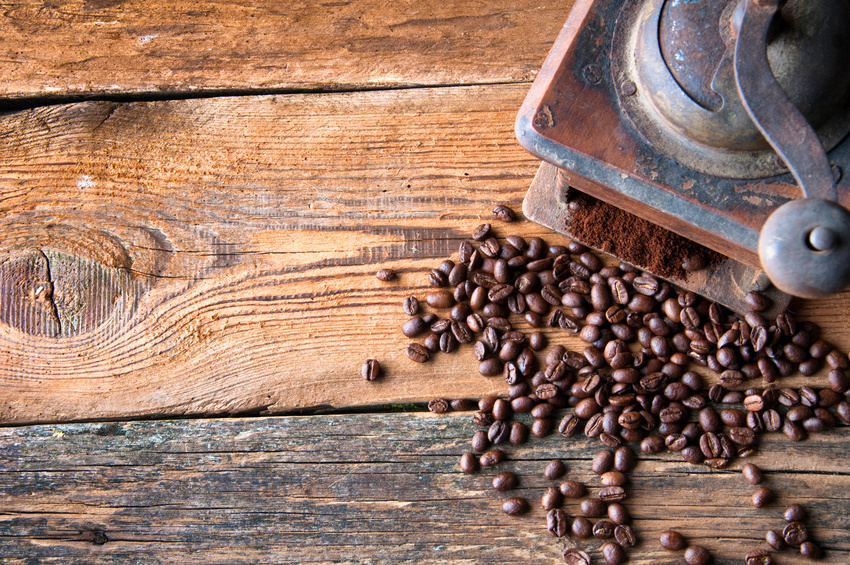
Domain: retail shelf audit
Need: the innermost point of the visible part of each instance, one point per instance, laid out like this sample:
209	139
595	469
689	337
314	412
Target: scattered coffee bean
575	556
794	513
774	539
552	498
555	469
438	406
418	352
672	540
697	555
613	554
370	370
795	533
385	275
761	497
758	557
557	522
752	473
810	550
515	506
504	213
582	528
468	463
505	481
572	489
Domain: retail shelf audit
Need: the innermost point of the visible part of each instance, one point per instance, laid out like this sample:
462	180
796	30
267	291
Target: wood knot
56	294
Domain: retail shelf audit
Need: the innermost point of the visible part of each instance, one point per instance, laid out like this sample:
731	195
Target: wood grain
217	256
179	48
370	488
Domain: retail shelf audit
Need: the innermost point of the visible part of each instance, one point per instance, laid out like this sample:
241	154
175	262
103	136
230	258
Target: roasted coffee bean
552	498
448	343
437	278
504	213
613	479
742	435
752	473
490	367
652	444
505	481
612	494
794	513
772	420
557	522
604	529
519	433
672	540
697	555
499	432
795	533
593	508
515	506
414	327
575	556
492	458
761	497
468	463
542	427
370	370
410	306
572	489
569	426
810	549
758	557
774	539
418	352
793	431
602	462
555	469
716	462
480	442
481	232
618	514
462	404
440	299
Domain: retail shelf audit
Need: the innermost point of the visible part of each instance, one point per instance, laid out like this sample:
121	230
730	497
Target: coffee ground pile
638	241
627	381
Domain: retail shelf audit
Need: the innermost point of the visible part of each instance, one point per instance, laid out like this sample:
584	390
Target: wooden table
194	201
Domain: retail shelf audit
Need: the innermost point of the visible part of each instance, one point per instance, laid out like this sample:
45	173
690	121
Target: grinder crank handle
804	245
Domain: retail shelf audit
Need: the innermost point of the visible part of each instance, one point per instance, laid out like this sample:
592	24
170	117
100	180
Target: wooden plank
218	256
370	488
168	48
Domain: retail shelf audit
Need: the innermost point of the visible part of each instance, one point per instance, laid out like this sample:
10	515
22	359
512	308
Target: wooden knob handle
804	247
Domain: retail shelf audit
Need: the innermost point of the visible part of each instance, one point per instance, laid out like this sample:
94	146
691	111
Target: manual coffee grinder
723	121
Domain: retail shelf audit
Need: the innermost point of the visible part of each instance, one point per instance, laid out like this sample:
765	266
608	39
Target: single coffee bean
555	469
481	232
602	462
612	494
697	555
672	540
557	522
572	489
519	433
795	533
752	473
794	513
613	554
613	479
490	367
385	275
604	529
504	213
492	458
370	370
552	498
480	442
414	327
810	550
593	508
438	406
418	352
758	557
515	506
468	463
774	539
618	514
761	497
625	536
575	556
410	306
505	481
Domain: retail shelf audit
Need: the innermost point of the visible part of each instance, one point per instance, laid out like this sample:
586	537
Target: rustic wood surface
182	48
371	488
200	237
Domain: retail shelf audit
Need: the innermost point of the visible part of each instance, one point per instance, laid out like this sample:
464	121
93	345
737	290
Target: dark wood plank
376	488
180	48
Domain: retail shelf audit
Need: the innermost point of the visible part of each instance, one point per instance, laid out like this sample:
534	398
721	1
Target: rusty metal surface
572	118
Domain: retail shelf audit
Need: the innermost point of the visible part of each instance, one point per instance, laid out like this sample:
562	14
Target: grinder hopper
723	121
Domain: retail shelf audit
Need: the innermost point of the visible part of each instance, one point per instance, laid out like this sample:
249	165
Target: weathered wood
369	488
179	48
218	256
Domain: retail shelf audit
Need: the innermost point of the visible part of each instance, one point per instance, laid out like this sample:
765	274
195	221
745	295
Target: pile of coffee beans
630	384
